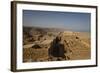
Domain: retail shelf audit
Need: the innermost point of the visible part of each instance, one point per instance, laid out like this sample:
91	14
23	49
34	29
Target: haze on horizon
73	21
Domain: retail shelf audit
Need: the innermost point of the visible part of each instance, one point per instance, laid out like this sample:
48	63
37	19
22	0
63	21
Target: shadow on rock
57	50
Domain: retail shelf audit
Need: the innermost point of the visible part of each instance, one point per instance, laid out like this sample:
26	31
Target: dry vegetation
49	44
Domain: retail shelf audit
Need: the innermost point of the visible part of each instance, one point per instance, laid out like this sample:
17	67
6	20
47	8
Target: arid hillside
51	44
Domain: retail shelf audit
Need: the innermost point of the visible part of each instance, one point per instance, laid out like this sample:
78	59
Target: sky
50	19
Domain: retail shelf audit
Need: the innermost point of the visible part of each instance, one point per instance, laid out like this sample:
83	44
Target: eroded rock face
58	48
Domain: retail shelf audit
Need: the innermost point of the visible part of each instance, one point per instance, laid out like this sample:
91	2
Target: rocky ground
46	44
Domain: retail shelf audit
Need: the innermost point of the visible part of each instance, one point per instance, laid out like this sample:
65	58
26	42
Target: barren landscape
55	44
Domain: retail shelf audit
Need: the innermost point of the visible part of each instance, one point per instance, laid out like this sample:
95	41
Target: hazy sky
68	20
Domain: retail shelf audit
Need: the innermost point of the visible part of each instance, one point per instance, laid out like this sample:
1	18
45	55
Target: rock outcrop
58	48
